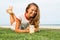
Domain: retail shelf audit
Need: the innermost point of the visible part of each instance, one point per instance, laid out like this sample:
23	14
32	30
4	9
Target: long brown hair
34	21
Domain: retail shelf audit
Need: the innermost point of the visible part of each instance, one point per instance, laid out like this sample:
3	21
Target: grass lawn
45	34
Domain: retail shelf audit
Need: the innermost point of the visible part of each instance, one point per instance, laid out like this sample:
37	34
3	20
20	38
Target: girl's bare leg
12	18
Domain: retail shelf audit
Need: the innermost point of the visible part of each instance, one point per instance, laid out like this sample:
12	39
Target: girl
21	23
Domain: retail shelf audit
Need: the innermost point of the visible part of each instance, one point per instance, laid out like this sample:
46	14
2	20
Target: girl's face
32	11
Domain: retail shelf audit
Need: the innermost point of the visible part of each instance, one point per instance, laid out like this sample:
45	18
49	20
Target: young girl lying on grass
21	23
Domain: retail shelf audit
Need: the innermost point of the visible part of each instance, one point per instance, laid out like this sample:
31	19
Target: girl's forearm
20	31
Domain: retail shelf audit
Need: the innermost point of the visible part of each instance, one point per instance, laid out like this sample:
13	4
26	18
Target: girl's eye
32	10
35	10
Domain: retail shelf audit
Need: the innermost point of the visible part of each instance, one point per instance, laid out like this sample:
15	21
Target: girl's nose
34	12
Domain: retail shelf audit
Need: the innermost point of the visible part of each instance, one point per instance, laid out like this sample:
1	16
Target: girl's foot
9	10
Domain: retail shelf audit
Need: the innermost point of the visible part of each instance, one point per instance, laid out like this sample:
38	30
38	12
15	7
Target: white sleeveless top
22	18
